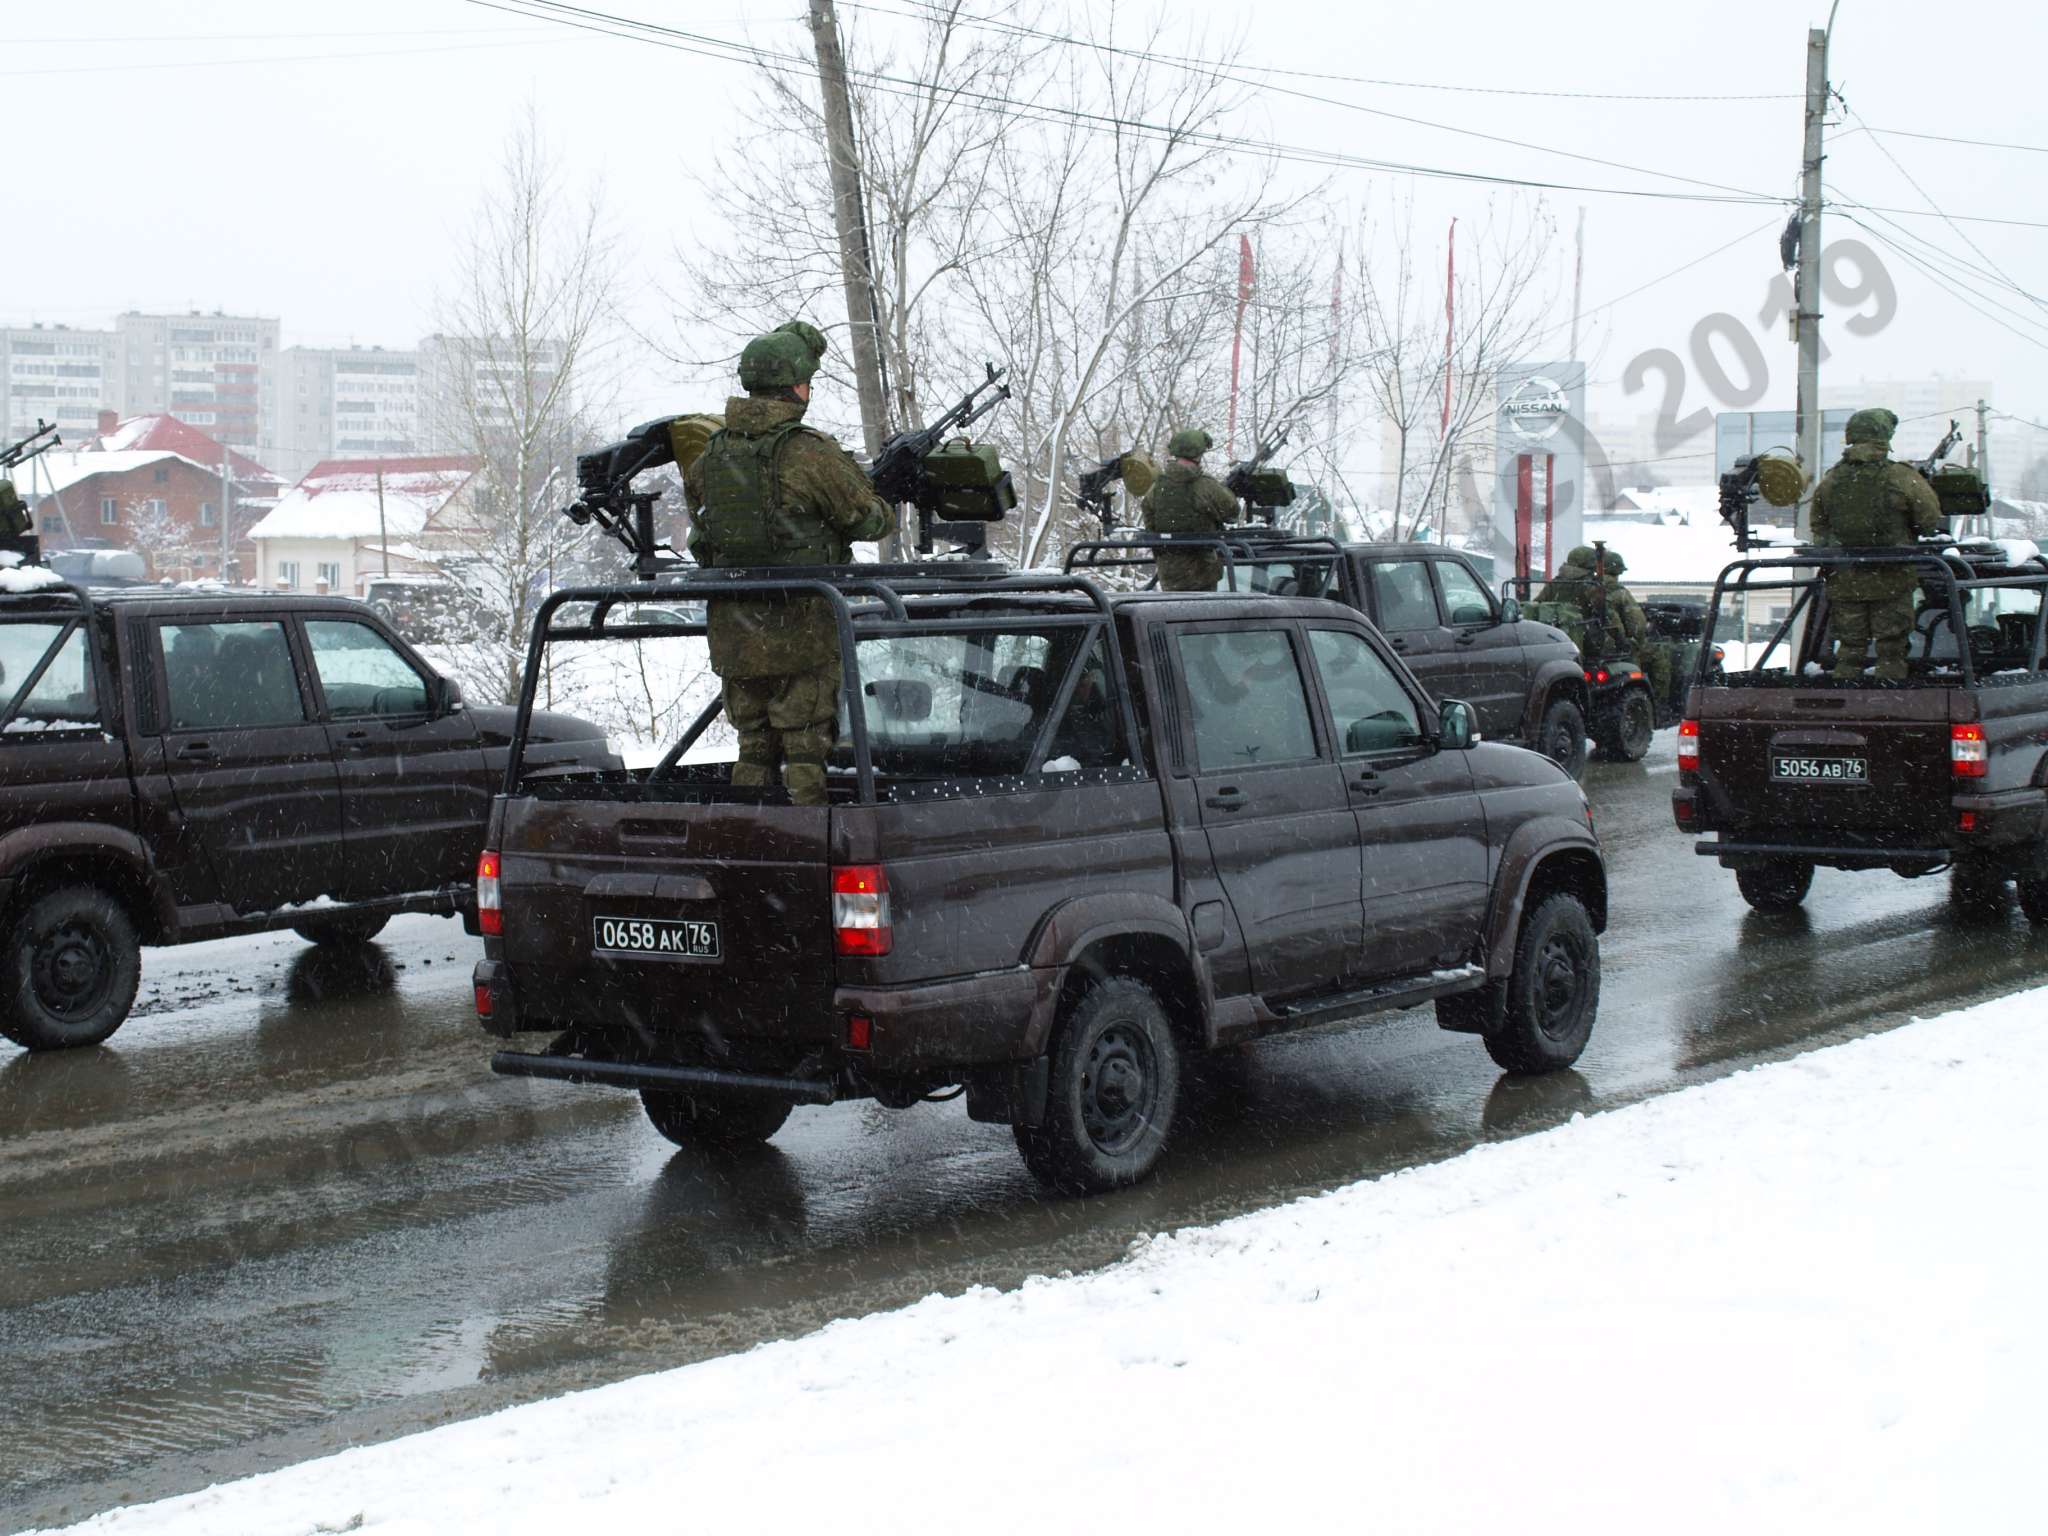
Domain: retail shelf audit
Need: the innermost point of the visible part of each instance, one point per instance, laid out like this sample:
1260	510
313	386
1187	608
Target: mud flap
1010	1095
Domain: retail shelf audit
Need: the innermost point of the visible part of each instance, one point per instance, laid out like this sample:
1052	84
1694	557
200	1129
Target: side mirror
1510	611
1457	725
450	700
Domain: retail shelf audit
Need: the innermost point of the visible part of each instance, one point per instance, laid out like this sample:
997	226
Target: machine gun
1959	488
17	533
1772	476
957	488
1942	450
1264	491
605	478
1091	491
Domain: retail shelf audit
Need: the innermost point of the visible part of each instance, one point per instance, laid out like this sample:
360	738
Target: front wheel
1625	734
1114	1086
719	1122
1776	885
1562	735
342	930
70	972
1553	991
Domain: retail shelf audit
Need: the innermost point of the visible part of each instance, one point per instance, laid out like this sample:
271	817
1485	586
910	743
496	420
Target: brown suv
1949	769
1071	840
181	766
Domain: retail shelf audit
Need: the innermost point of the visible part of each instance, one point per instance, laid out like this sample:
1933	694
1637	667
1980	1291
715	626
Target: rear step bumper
1835	855
628	1074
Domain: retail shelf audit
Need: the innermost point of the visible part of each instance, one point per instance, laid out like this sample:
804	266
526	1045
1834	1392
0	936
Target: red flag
1244	297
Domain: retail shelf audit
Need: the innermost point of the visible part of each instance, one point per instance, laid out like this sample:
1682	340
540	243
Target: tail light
485	1002
490	912
1599	676
1688	746
860	909
1968	757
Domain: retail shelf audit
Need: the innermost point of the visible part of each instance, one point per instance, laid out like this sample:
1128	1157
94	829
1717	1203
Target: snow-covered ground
1804	1298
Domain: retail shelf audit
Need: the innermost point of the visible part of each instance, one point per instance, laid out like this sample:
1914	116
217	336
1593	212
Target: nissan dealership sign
1539	480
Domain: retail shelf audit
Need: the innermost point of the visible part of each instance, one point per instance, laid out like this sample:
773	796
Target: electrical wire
1941	282
269	58
898	85
1935	258
1945	138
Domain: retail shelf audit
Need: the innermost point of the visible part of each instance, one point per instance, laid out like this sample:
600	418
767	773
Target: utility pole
842	156
227	510
1807	290
384	539
1983	464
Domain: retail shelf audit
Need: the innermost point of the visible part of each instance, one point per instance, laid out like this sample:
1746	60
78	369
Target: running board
1382	998
648	1074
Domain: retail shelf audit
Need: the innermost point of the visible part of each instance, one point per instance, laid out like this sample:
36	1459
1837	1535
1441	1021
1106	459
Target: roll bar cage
1947	568
1249	545
881	613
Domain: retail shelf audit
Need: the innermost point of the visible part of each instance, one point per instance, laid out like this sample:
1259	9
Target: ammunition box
967	482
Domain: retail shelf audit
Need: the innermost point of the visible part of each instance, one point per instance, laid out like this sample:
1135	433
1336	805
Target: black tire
383	609
70	972
1115	1084
2034	900
1562	735
1552	993
344	929
1976	891
1624	734
720	1122
1777	885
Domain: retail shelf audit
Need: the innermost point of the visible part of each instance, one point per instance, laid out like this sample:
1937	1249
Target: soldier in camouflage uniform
769	491
1625	617
1185	500
14	519
1569	584
1868	501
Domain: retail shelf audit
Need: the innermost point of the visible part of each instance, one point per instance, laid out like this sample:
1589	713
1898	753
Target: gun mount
17	533
1263	491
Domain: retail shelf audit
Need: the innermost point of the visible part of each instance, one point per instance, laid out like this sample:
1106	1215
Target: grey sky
317	162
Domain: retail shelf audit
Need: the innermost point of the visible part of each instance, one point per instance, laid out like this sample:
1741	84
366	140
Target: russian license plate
664	938
1820	770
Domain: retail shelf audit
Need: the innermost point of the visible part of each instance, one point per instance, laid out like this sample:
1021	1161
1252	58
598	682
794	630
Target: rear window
982	703
64	697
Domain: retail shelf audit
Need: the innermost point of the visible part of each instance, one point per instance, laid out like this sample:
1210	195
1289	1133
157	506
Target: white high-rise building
57	374
346	402
215	371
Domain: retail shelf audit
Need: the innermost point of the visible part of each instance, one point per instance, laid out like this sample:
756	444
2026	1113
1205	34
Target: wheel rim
1638	724
73	969
1563	750
1560	985
1119	1088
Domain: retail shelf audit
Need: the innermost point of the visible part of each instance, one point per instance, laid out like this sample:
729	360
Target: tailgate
1829	760
670	916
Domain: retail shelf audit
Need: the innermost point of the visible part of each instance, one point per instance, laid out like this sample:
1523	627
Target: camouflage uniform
1184	500
1626	614
1569	584
1868	501
769	491
14	519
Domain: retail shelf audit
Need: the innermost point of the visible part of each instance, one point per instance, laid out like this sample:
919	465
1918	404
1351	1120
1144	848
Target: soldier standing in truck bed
1870	501
769	491
1185	500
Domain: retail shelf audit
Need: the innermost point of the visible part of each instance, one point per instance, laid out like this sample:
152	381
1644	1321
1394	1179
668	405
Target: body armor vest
1863	512
745	516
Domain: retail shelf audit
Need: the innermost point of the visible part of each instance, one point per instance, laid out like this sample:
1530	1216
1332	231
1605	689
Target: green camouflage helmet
1611	562
1189	443
1875	425
776	361
1581	556
805	332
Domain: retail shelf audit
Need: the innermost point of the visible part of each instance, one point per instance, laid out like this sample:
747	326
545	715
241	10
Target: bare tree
522	326
157	534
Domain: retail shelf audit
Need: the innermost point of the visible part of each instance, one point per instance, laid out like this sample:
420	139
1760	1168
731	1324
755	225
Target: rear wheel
343	929
1114	1087
1562	735
1975	890
1776	885
1625	734
1552	993
2034	899
716	1121
70	972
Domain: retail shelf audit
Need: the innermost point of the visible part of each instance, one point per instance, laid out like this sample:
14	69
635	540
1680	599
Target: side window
1402	596
360	673
64	697
1464	599
229	676
1374	712
1250	710
1089	735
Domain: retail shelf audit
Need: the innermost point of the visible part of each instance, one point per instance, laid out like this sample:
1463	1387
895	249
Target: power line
1335	79
1950	265
1946	256
1945	138
292	58
910	86
1941	282
1929	200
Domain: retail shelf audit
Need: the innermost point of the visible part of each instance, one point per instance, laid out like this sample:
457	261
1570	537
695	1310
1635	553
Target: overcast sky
316	162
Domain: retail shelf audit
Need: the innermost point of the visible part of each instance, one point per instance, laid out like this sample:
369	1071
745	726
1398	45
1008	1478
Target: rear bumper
2006	821
640	1074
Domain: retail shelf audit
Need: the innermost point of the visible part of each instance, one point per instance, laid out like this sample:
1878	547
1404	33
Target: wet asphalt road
288	1209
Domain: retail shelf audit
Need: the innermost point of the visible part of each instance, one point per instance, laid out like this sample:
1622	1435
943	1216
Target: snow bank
1802	1298
28	578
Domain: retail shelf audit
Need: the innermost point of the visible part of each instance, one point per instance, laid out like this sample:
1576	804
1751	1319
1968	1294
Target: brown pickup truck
178	766
1072	840
1793	770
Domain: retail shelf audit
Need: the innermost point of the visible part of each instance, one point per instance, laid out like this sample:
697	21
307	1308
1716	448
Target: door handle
356	739
1466	639
1367	783
1397	642
1228	800
196	751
